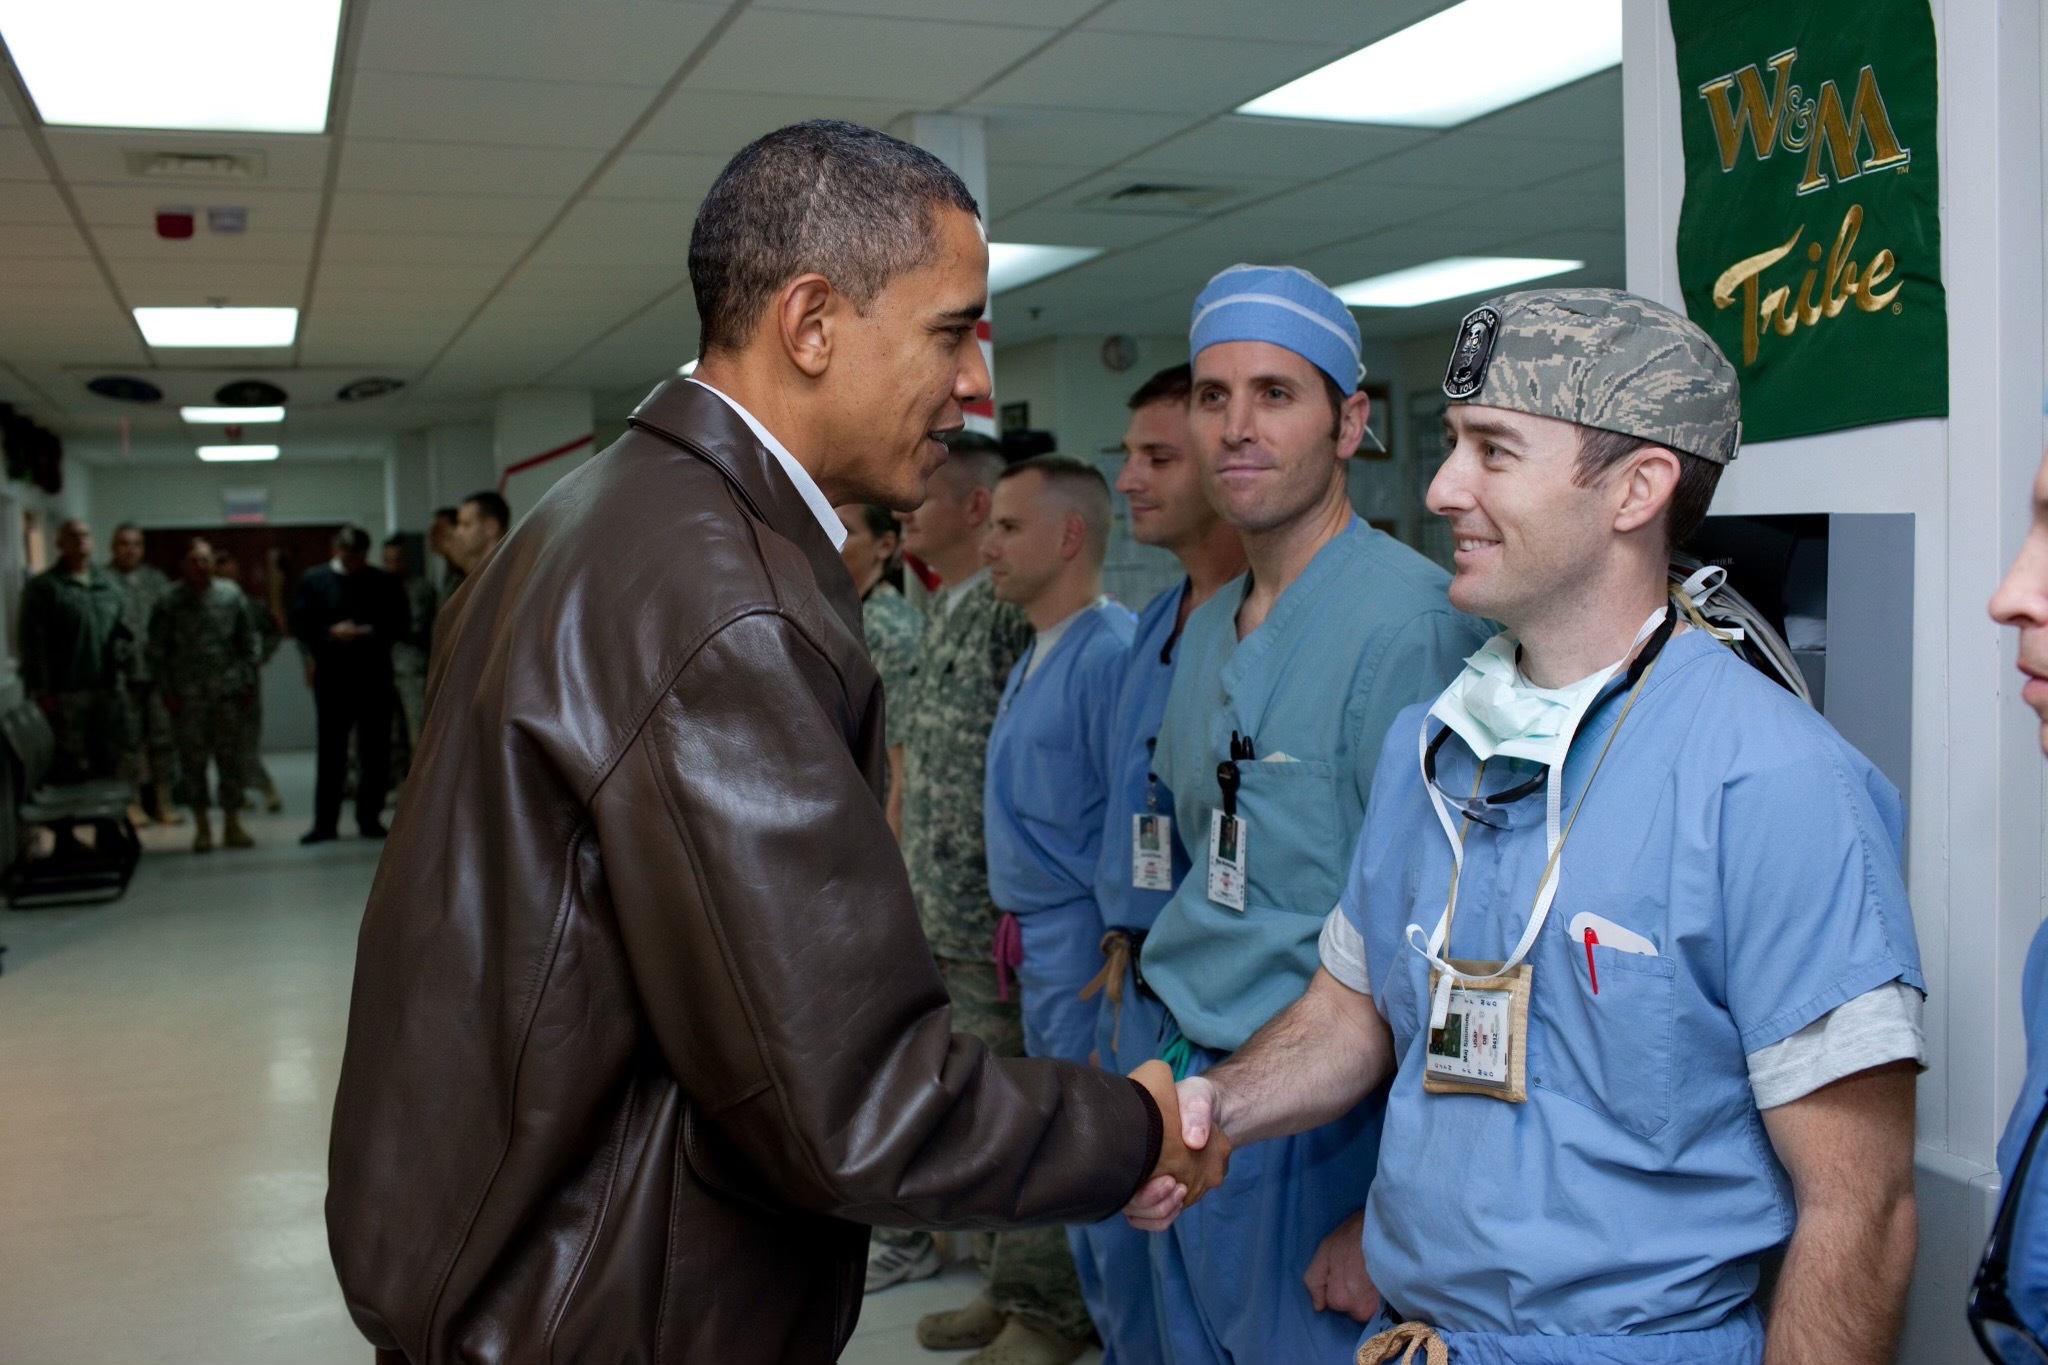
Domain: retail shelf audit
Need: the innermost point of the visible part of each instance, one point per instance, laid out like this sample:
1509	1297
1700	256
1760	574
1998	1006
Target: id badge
1152	852
1227	837
1482	1047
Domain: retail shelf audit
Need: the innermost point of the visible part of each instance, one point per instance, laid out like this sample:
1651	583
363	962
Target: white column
538	435
961	141
1974	851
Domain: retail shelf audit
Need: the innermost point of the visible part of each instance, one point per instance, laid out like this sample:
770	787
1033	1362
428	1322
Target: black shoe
318	836
371	829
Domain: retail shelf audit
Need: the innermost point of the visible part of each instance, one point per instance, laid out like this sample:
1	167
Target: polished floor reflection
167	1064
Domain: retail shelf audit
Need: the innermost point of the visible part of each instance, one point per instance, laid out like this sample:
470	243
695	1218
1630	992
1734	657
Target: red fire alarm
174	225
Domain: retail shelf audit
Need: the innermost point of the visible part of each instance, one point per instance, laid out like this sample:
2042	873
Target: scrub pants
1737	1341
1227	1278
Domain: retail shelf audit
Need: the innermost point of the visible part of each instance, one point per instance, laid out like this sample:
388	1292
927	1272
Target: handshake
1194	1153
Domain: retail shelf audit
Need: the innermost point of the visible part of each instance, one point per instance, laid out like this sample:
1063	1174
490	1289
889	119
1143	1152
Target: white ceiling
505	194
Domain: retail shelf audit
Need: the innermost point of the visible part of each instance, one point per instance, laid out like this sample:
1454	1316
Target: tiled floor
166	1069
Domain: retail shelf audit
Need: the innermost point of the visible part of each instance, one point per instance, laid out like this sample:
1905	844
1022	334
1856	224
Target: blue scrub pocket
1611	1052
1295	856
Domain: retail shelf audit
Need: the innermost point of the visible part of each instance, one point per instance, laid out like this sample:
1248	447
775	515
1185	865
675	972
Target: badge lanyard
1556	831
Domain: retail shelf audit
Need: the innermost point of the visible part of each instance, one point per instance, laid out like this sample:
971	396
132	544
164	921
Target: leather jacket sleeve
777	954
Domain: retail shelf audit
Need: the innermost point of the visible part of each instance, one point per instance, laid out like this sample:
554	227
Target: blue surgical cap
1285	306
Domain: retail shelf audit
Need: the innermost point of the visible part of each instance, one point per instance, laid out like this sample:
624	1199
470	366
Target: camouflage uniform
892	627
74	653
409	674
942	717
155	758
203	649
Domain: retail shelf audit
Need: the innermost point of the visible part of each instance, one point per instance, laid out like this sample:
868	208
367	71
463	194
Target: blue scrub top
1366	630
2027	1275
1046	784
1634	1190
1133	733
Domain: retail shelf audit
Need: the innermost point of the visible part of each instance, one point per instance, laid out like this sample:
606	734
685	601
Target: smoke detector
1146	196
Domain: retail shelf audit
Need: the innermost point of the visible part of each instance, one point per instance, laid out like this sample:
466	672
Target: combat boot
166	811
231	832
961	1329
202	835
1023	1343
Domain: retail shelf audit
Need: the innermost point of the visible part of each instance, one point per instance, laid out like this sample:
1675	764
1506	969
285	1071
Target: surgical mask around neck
1497	711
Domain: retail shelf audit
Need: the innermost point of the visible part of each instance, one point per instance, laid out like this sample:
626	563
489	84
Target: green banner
1810	242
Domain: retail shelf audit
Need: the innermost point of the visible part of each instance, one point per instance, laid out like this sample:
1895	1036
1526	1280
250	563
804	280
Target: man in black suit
346	616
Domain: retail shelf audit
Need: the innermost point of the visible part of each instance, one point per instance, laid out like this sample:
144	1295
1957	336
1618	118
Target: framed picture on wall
1379	423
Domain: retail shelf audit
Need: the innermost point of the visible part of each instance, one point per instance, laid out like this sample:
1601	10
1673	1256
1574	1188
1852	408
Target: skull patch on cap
1469	357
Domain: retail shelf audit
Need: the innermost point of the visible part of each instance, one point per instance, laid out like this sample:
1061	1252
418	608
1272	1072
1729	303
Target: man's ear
1073	535
976	508
1645	487
1351	419
805	321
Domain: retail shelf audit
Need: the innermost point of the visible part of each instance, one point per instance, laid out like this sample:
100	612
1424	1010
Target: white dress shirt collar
806	486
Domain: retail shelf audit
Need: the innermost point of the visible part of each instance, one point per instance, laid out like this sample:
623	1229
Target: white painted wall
301	491
1975	843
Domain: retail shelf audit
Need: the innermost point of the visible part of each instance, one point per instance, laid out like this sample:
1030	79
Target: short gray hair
857	206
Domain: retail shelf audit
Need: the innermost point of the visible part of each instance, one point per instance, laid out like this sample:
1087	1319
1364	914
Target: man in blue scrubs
1143	858
2022	602
1288	679
1048	529
1667	1014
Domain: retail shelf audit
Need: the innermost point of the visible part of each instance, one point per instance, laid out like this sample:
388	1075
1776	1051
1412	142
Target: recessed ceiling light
248	66
1452	277
230	417
217	326
1011	264
236	454
1468	60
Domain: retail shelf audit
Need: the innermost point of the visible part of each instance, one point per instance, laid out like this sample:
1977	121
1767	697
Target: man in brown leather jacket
644	1030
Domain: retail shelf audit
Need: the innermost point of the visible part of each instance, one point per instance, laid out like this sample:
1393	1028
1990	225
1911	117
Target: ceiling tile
1276	147
1019	135
1159	73
1471	157
17	272
41	241
1080	227
18	159
1362	205
719	123
462	167
369	342
135	206
622	44
424	248
618	231
1013	186
1343	25
195	283
1046	14
101	157
23	202
931	63
669	177
211	249
341	279
502	215
532	113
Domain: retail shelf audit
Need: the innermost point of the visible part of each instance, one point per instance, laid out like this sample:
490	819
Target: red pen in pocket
1592	942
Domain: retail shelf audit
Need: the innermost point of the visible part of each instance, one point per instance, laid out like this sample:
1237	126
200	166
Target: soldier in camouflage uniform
892	626
942	718
409	658
269	635
203	651
74	651
154	756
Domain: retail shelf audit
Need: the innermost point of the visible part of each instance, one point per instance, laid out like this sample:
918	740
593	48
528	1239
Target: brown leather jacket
644	1029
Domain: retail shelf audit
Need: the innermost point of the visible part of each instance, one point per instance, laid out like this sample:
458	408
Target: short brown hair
1082	485
1602	451
1173	384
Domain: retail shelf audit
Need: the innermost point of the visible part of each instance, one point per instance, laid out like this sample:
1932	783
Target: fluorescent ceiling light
243	66
1468	60
1452	277
217	326
231	417
236	454
1011	264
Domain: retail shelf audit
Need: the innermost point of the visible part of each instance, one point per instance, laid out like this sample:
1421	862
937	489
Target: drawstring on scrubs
1413	1336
